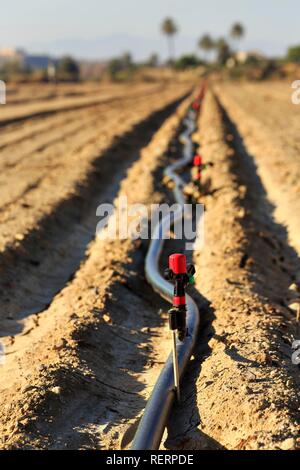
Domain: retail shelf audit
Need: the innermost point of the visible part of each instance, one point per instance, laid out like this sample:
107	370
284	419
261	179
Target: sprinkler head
177	263
197	161
196	106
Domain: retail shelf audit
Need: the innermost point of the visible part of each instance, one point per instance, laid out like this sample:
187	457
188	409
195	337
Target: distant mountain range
104	47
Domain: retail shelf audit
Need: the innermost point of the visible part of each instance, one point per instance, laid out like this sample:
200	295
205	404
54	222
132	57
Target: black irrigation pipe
152	425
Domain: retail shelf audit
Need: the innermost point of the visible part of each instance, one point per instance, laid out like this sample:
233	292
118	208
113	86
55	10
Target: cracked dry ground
81	364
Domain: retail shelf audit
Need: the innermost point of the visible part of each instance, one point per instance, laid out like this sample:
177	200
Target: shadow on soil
183	427
33	272
269	255
185	420
272	263
111	397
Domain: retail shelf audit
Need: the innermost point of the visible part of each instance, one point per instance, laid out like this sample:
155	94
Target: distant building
31	61
242	57
51	72
245	57
38	62
10	54
89	69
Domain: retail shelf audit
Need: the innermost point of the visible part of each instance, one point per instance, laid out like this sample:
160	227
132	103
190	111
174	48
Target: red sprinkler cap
197	160
177	263
196	106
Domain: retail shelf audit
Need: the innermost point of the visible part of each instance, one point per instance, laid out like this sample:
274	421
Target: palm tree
237	31
169	28
223	51
206	43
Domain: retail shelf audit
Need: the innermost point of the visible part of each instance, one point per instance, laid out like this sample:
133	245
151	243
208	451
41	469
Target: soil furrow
242	390
274	146
50	254
22	112
64	171
37	126
74	371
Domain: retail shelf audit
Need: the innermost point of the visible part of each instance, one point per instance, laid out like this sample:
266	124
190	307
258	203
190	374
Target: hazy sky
99	28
